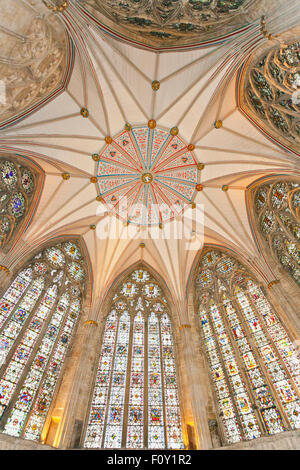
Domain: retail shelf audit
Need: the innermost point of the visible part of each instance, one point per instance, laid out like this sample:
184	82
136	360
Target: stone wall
289	440
15	443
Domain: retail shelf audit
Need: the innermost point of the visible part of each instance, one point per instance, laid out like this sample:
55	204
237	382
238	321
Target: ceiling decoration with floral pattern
147	176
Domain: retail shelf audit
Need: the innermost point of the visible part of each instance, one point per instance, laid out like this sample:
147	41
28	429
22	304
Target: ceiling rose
147	176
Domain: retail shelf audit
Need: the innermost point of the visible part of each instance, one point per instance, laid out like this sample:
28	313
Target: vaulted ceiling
100	84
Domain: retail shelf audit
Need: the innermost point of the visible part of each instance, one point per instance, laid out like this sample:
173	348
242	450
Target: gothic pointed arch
268	89
252	362
21	182
36	59
135	400
39	312
274	204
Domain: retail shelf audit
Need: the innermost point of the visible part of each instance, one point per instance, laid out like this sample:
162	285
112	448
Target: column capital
273	283
91	322
181	327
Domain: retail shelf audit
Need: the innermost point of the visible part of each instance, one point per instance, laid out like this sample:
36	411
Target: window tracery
254	366
277	211
270	92
138	409
38	314
17	184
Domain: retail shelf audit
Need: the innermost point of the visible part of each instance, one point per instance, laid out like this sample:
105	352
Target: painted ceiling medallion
172	23
147	176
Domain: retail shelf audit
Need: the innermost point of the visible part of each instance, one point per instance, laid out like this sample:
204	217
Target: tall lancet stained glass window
253	364
277	211
135	401
38	314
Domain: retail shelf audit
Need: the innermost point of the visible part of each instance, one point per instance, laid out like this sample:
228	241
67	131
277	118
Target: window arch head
276	211
135	399
252	362
38	315
268	92
18	183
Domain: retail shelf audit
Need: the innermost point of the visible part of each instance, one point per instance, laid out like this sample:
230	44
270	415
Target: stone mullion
23	330
275	394
127	379
247	382
110	381
61	291
28	365
231	391
162	373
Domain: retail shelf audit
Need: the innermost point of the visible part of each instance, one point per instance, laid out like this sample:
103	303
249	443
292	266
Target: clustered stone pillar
194	378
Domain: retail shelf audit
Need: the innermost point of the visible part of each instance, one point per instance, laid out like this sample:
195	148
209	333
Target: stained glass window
135	402
16	191
38	313
253	364
267	94
277	211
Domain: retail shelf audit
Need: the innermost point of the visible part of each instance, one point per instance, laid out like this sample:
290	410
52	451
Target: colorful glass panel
255	380
277	217
135	426
172	411
16	192
141	410
114	426
156	435
38	316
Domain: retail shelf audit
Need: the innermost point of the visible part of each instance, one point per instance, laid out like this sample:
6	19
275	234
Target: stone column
194	381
